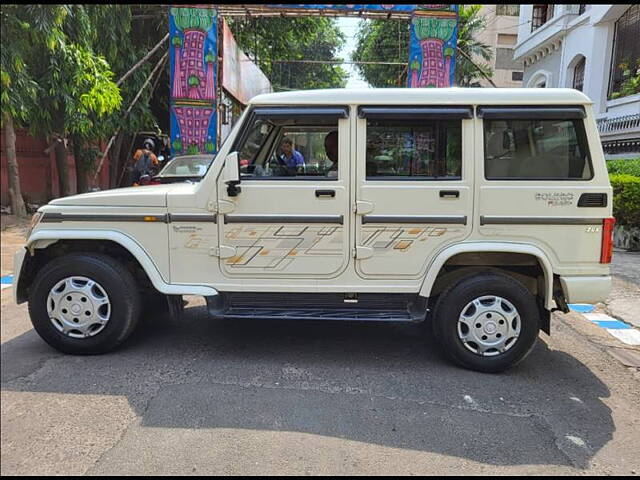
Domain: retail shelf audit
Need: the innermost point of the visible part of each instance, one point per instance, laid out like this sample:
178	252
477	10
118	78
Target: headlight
34	221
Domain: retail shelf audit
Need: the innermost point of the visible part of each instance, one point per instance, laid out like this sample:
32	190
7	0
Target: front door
414	187
291	217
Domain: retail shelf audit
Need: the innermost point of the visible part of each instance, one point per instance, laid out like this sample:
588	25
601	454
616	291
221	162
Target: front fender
481	247
42	238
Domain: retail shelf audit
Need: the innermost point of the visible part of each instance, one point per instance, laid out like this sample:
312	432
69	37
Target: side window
426	149
536	150
290	149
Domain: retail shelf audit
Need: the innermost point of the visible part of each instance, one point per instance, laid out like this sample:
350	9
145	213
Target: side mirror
231	174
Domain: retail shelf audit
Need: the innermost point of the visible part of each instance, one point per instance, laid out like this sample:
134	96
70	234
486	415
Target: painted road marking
6	281
581	307
615	327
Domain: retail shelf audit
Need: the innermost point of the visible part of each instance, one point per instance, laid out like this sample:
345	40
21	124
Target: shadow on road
375	383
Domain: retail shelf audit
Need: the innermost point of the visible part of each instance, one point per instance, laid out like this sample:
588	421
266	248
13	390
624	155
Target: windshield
187	166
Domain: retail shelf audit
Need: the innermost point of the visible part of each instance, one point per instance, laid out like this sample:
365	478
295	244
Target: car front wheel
84	303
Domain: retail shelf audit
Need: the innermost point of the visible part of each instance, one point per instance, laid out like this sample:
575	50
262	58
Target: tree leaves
388	41
303	38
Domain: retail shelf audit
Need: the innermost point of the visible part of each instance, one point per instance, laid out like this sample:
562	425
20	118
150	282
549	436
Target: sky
349	26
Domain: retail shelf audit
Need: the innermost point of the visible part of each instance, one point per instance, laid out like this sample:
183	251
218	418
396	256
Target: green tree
388	41
27	32
382	41
123	34
265	39
470	26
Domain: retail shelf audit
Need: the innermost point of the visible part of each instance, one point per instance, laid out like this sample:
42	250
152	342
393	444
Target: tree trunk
15	196
114	161
63	170
81	167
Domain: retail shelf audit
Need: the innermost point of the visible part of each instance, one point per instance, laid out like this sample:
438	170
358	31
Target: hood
145	196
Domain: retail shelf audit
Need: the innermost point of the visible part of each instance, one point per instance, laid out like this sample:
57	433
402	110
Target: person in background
331	149
290	159
145	162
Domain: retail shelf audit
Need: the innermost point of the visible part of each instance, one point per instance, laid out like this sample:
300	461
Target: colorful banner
194	55
432	48
361	7
242	78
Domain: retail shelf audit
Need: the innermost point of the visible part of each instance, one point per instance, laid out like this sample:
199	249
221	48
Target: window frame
311	111
406	115
541	113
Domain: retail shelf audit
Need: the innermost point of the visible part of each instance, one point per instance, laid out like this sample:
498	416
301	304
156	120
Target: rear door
291	218
414	187
538	183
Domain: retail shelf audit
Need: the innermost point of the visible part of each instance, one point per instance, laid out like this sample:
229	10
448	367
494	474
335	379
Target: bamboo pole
144	59
104	154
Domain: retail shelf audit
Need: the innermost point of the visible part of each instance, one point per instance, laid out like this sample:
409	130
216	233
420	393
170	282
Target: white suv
480	211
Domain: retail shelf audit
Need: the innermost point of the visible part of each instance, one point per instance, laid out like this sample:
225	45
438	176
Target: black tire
456	297
112	276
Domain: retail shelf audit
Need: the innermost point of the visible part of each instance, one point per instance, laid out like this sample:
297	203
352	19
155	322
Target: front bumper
18	260
586	289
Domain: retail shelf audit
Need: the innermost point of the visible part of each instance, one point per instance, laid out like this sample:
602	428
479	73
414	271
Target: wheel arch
449	253
44	239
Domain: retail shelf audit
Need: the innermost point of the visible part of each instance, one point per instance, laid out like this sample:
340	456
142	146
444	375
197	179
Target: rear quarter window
536	149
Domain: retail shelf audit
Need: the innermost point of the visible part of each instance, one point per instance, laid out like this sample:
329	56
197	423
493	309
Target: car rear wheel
487	322
84	303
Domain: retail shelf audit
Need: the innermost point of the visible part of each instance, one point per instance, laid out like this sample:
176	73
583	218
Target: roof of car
435	96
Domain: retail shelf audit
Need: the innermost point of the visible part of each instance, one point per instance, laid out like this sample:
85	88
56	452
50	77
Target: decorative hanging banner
194	52
432	48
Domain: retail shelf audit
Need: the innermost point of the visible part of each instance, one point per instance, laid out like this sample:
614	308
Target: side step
319	306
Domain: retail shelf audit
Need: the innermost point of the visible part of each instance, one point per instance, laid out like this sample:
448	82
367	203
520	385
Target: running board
319	306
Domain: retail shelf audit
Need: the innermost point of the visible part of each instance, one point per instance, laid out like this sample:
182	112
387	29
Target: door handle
325	193
449	194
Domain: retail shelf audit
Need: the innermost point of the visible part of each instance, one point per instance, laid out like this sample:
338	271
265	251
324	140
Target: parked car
185	168
478	211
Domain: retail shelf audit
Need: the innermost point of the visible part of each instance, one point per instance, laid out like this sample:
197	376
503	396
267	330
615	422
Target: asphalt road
217	397
206	396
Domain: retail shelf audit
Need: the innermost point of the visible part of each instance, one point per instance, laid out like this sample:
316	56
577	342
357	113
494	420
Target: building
501	33
592	48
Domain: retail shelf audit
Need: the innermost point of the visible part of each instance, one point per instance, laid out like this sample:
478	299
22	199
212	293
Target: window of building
425	149
507	39
510	10
541	15
578	74
626	53
536	150
516	76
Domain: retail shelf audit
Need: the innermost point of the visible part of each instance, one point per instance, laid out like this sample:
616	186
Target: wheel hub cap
489	325
78	307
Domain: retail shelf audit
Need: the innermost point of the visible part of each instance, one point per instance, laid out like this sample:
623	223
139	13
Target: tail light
607	240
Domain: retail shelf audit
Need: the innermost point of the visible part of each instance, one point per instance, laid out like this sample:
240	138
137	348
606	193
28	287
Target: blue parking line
6	280
612	324
581	307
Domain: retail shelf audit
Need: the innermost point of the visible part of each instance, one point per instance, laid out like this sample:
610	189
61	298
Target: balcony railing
617	124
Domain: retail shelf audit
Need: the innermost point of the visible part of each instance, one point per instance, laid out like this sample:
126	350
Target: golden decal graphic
275	247
386	240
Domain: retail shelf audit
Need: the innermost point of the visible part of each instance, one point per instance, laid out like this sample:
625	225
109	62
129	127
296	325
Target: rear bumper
18	259
586	289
